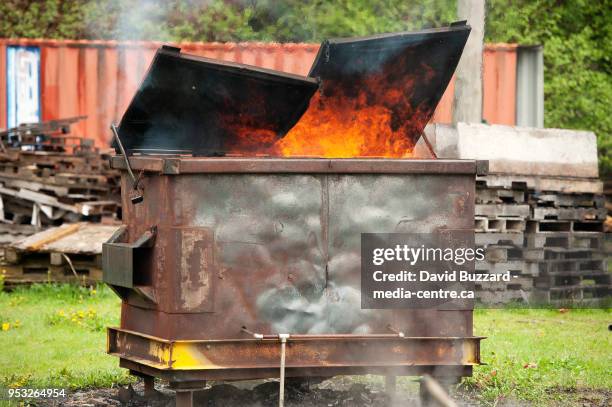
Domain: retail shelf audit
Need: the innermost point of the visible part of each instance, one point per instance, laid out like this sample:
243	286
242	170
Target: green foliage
577	39
217	20
41	19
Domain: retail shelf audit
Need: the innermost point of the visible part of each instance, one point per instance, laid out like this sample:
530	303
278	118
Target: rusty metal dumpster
242	266
272	245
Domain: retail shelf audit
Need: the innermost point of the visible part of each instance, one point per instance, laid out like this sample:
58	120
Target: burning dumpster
242	259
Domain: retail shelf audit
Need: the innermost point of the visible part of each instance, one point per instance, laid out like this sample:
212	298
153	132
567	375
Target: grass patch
542	355
56	338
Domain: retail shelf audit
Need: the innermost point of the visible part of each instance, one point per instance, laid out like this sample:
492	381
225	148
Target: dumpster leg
184	392
149	386
184	398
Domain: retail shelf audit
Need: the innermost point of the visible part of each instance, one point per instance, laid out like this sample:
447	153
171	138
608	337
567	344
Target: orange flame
345	132
373	117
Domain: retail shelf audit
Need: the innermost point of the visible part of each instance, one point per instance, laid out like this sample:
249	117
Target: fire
251	139
354	116
341	127
363	115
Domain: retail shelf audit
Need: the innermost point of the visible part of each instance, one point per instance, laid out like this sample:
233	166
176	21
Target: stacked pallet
500	220
11	233
540	212
550	240
48	177
68	253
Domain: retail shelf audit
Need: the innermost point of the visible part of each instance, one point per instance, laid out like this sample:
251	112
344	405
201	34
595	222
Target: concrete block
522	150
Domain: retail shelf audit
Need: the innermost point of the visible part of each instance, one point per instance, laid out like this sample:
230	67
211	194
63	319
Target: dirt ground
259	394
264	394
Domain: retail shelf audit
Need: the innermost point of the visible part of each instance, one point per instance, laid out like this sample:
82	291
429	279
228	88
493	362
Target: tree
217	20
577	38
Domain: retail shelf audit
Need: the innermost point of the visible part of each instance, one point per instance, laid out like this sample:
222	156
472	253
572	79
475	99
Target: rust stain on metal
195	268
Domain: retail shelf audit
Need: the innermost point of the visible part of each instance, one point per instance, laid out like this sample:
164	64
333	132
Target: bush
577	38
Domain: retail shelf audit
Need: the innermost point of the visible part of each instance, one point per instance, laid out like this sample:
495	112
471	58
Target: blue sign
23	85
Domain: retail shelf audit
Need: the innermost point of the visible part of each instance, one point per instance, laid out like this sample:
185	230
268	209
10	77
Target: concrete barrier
521	150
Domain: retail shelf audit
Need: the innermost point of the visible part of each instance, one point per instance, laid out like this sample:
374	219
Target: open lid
189	104
405	73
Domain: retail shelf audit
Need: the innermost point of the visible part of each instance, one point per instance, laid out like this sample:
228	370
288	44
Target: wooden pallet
31	273
587	266
537	226
578	214
566	240
555	253
97	208
499	195
44	187
516	267
59	186
543	184
17	257
573	294
542	229
561	200
503	254
499	225
502	211
58	253
560	280
488	238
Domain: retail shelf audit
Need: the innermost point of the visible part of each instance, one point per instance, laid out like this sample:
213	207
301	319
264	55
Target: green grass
542	356
60	340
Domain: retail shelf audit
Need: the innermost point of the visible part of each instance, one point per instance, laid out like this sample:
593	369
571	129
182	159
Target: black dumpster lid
420	64
189	104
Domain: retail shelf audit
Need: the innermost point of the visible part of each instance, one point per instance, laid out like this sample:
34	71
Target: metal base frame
188	364
325	355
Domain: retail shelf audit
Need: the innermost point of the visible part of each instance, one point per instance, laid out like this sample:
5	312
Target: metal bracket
119	258
136	195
